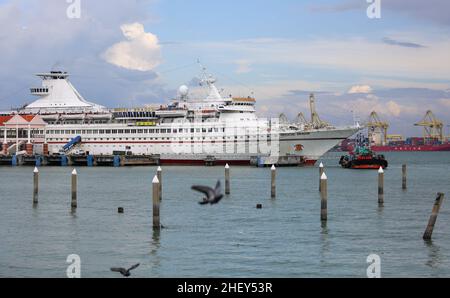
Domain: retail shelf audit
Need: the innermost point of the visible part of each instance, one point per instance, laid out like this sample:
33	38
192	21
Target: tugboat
363	158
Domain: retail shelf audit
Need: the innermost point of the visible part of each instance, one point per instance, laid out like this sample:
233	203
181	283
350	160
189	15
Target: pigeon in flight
123	271
213	196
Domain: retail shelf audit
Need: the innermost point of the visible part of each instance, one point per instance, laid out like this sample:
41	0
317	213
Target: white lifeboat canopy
58	95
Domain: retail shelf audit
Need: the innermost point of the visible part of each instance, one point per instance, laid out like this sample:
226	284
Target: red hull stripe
367	167
445	147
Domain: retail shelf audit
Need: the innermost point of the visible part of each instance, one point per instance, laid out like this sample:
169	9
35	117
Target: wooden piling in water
227	180
156	204
36	186
74	203
404	186
321	171
324	197
431	223
274	182
159	175
381	186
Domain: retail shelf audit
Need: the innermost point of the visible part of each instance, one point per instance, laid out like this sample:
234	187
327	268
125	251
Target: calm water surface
232	239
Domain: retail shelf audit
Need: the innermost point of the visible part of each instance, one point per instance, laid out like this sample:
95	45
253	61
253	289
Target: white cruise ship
186	131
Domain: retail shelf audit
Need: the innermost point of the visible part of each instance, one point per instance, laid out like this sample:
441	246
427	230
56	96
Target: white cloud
366	104
368	57
243	66
360	89
141	51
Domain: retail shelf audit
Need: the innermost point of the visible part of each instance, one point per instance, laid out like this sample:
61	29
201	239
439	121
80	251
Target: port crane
375	124
301	119
433	127
316	122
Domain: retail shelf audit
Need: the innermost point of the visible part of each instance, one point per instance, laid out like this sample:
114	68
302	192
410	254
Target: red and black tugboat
362	157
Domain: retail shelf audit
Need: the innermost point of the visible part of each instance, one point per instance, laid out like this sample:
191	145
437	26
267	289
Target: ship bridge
58	95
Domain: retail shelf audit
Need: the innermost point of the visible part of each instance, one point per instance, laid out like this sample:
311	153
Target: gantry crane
283	119
316	122
376	125
301	119
433	127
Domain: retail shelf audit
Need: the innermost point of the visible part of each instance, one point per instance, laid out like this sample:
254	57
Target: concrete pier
159	175
156	204
324	198
381	187
227	180
35	186
321	171
74	203
273	184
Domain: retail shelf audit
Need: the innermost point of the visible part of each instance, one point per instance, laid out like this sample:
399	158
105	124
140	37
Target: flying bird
213	196
125	272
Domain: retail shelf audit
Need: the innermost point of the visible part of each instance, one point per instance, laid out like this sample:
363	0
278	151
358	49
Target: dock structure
79	160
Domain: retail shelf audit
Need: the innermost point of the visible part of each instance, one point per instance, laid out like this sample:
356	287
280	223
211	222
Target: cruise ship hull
299	148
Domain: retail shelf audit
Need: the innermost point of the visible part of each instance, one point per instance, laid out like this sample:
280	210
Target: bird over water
125	272
213	196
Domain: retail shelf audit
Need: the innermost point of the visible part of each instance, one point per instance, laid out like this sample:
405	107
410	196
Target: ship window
127	131
140	131
114	131
152	131
108	131
145	130
95	132
73	132
78	132
102	131
120	130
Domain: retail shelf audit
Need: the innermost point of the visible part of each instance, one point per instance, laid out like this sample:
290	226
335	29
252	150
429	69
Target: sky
127	53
